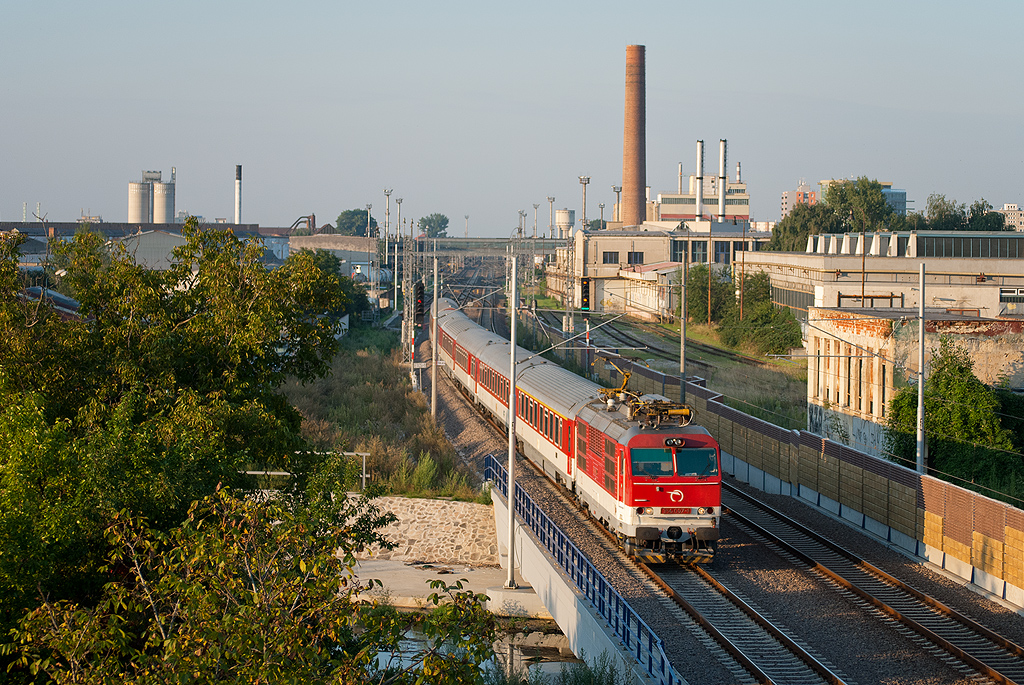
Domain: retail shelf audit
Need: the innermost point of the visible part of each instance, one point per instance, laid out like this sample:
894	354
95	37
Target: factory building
706	197
634	271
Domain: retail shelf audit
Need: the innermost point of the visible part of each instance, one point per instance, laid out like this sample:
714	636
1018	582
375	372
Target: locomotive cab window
696	462
651	462
658	462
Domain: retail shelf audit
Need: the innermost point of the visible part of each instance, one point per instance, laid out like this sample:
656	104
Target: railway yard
815	612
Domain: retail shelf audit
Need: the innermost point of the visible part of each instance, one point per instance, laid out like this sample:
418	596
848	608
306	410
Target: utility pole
533	249
510	582
920	379
433	343
743	261
682	328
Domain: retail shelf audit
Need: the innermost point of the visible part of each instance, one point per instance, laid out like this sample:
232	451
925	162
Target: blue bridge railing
627	625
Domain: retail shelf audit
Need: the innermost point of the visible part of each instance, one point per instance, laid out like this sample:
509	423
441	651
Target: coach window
581	447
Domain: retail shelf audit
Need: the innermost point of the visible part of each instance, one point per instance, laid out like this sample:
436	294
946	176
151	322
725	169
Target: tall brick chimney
634	146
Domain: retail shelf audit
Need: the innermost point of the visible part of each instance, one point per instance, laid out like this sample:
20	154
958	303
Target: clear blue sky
484	108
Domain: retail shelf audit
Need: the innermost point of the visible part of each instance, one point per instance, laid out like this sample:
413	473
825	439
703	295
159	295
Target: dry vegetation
367	404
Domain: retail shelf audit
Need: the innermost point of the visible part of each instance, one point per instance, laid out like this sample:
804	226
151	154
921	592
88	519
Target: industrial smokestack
680	178
722	179
700	181
634	146
738	173
238	194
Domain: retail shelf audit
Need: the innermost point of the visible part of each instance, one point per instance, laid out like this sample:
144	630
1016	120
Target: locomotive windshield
657	462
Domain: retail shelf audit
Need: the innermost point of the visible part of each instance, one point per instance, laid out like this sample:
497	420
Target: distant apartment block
1014	217
803	195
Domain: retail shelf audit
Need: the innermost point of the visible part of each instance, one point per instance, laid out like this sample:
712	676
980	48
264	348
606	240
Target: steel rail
1009	659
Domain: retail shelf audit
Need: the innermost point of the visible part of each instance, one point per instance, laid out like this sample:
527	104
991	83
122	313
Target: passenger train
655	484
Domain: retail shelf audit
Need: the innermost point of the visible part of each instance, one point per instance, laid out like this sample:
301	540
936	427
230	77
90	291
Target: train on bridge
636	463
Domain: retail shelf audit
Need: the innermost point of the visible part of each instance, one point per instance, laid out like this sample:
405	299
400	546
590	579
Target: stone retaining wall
438	532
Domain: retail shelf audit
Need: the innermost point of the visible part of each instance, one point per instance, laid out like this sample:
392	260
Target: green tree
764	327
790	234
353	222
945	215
353	295
434	225
966	438
250	591
597	224
981	217
164	387
722	296
860	204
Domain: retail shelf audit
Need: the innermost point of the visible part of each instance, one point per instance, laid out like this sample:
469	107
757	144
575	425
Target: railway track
764	649
976	647
747	644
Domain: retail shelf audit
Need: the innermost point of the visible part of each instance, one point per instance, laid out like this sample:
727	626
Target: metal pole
364	473
433	343
682	327
511	580
743	261
920	380
551	216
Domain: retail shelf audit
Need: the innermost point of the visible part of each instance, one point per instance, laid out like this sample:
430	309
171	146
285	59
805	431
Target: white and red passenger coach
656	487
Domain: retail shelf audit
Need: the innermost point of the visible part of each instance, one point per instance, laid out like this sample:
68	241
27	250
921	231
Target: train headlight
645	510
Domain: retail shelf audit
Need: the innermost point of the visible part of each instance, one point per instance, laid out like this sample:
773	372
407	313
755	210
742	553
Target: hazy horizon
466	108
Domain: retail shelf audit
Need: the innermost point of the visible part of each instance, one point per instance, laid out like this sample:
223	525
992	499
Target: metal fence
646	647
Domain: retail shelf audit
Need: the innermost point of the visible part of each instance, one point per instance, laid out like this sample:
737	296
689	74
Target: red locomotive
633	461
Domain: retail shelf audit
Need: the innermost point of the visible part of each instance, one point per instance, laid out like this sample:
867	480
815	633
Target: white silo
163	201
138	202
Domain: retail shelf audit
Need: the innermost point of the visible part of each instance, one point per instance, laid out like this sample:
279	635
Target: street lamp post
551	216
584	180
533	248
601	207
398	239
618	193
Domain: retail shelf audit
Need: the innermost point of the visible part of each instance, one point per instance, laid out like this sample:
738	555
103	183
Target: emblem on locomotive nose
676	495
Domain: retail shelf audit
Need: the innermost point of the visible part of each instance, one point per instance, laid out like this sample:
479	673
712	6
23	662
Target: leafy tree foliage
860	204
434	225
722	295
963	426
949	215
164	387
765	327
597	224
353	295
790	234
250	591
353	222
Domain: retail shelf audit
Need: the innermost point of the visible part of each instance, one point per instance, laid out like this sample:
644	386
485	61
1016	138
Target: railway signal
585	294
418	304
